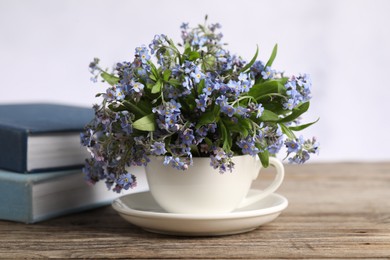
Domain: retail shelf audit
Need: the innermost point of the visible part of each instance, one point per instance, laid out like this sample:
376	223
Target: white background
46	46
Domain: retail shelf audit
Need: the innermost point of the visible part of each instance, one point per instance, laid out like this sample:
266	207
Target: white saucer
141	210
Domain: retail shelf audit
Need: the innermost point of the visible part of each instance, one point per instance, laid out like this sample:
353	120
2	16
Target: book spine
15	200
13	149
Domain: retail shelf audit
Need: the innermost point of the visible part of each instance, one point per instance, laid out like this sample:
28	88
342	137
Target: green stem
242	98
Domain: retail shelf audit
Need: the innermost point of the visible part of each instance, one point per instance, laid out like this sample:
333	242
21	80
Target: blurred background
46	46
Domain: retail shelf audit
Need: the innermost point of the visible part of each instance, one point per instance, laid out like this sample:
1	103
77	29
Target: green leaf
208	117
134	108
245	126
157	87
287	131
167	73
189	104
149	85
152	77
208	141
245	122
167	142
273	55
117	107
264	158
269	116
174	82
253	60
208	62
235	128
154	70
301	127
187	49
146	123
296	112
201	86
139	109
266	88
193	55
109	78
226	138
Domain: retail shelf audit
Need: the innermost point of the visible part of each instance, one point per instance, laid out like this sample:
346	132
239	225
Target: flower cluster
193	99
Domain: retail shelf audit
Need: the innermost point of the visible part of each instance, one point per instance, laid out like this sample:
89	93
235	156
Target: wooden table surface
339	210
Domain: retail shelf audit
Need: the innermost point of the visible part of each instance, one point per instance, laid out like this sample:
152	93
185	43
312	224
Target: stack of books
41	161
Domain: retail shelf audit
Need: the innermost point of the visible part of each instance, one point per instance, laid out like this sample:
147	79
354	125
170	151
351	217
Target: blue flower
290	104
171	123
274	137
298	91
292	146
304	81
221	55
141	72
169	115
202	131
260	111
256	69
242	111
144	56
125	125
221	160
143	161
214	162
219	154
187	137
187	83
126	181
142	53
228	110
175	162
234	86
184	26
198	40
157	42
300	158
212	127
172	92
243	77
248	146
167	160
189	67
173	106
208	89
110	94
302	149
87	137
246	86
138	87
158	148
214	26
268	73
201	103
119	93
197	75
221	101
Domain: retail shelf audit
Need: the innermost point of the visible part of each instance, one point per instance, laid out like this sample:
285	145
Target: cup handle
271	188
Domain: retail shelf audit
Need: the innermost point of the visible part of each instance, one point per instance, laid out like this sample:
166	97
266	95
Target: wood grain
339	210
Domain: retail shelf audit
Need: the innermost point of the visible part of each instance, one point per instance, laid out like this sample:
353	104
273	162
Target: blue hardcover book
40	196
36	137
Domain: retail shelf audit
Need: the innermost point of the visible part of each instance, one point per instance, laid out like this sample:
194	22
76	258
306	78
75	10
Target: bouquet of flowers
193	99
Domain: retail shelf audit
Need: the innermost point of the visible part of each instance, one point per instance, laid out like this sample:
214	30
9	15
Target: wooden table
339	210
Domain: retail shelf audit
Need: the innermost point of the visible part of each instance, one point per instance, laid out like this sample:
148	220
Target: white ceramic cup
203	190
